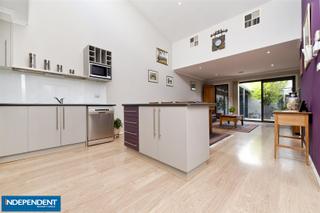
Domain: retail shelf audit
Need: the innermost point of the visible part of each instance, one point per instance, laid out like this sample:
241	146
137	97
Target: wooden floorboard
240	176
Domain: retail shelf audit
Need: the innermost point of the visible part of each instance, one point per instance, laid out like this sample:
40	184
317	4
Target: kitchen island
176	134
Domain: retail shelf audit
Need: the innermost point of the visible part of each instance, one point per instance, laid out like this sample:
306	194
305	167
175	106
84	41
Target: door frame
292	77
215	96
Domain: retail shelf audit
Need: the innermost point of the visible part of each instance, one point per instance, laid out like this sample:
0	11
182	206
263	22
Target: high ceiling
177	19
272	59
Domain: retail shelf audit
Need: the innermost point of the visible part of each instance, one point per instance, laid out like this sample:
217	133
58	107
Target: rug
245	128
216	137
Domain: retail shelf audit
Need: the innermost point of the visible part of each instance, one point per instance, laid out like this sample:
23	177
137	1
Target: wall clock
218	43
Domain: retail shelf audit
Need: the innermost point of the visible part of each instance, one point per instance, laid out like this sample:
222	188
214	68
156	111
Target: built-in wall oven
100	125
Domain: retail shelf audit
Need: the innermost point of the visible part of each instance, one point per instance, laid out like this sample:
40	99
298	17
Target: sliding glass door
259	99
250	100
274	96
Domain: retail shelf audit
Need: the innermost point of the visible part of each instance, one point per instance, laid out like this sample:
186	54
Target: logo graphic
31	203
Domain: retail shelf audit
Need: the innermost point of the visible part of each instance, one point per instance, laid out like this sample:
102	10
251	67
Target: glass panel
222	99
274	96
250	100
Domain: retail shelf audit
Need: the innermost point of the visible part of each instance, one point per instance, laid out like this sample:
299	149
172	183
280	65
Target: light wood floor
241	176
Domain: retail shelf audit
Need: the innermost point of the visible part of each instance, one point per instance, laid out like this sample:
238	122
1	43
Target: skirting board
315	172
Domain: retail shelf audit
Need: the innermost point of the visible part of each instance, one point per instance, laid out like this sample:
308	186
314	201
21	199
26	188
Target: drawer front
131	114
134	128
292	120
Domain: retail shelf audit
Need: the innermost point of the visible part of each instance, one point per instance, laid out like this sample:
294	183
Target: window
194	41
252	19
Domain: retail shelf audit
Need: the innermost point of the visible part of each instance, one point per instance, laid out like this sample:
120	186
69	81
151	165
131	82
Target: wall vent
252	19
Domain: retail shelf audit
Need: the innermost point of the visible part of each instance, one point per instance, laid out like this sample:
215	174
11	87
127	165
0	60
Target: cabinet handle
57	124
63	117
159	134
131	133
5	53
154	122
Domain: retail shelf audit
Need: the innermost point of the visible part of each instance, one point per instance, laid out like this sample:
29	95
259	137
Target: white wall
59	30
16	87
280	21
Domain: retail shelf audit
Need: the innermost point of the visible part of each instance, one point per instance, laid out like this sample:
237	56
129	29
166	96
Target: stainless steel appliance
100	125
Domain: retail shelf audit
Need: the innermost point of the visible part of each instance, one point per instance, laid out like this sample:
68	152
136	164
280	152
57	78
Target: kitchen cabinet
172	136
175	135
5	43
131	127
44	127
13	130
162	134
73	126
148	140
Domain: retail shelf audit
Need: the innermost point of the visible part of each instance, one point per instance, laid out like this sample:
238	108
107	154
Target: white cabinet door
13	130
73	125
44	127
148	139
172	141
5	43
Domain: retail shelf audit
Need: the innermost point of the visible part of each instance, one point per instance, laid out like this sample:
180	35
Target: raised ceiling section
177	19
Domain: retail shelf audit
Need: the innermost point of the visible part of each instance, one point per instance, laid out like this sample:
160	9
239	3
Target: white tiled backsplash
18	87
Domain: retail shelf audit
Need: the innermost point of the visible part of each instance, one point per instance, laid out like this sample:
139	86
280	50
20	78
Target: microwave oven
99	71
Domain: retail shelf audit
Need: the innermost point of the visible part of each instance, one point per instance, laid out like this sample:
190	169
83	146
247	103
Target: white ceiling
192	16
284	57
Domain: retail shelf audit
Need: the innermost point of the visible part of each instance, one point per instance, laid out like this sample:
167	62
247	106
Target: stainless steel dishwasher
100	125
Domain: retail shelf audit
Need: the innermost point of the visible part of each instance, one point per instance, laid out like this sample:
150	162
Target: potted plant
232	109
117	124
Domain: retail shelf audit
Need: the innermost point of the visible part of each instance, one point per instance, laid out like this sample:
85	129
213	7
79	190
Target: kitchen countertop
171	104
52	104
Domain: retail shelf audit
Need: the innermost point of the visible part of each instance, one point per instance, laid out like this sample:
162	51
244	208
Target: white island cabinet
175	135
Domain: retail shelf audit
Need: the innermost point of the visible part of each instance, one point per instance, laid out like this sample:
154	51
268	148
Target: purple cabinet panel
131	127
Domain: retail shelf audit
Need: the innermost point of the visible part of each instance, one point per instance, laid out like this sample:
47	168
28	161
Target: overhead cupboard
5	43
30	128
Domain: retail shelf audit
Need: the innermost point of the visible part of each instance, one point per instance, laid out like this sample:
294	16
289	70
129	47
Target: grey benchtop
171	104
48	104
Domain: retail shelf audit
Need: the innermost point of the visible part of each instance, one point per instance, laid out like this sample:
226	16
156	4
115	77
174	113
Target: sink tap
59	100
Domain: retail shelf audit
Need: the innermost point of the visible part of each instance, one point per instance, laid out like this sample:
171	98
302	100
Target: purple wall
310	85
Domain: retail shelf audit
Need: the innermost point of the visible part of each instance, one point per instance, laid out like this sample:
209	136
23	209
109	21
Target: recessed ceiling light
272	65
179	3
268	52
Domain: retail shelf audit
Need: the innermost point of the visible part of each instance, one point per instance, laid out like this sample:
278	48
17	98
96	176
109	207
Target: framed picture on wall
153	76
169	81
306	31
162	56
